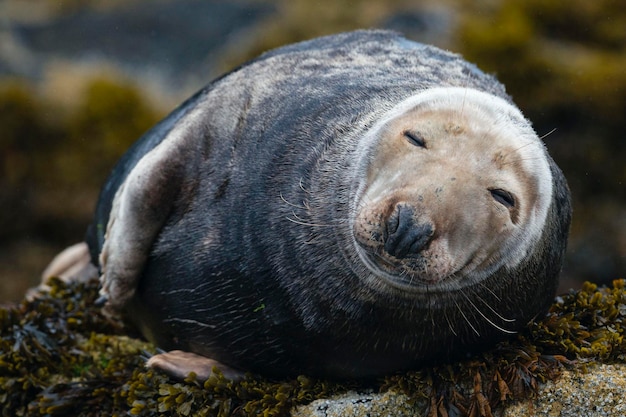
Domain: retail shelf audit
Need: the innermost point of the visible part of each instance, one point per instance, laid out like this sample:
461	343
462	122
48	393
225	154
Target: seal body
348	206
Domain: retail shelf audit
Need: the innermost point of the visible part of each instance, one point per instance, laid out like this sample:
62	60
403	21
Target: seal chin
412	276
401	248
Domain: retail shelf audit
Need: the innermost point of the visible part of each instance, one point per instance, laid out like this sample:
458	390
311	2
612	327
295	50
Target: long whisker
449	324
291	204
515	161
496	313
486	318
486	288
301	185
522	146
466	319
304	223
548	134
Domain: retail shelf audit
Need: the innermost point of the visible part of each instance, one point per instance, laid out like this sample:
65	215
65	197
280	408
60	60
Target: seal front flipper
141	206
179	364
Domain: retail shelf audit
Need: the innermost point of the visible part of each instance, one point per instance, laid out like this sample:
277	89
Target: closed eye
415	139
503	197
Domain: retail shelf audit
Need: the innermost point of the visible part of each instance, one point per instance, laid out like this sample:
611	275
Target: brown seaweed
60	356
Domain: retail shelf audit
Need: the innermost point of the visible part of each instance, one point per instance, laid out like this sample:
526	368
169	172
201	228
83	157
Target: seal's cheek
475	235
368	229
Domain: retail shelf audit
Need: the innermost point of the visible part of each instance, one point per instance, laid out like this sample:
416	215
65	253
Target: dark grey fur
229	276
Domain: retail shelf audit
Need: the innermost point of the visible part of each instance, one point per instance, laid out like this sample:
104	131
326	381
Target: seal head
455	185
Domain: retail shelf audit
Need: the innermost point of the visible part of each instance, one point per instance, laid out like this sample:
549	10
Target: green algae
60	356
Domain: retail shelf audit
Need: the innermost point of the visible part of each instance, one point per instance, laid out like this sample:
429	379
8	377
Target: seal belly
201	293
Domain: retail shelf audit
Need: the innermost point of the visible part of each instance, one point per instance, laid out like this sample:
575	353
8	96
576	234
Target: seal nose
404	237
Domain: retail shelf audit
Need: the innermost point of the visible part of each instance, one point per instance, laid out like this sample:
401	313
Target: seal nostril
393	222
405	237
420	235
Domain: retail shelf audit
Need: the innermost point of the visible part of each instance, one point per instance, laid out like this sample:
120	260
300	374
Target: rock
596	392
353	404
173	42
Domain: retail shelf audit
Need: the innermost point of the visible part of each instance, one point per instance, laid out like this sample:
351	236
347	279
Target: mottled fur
240	230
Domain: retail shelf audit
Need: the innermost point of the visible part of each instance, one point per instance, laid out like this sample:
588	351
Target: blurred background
81	80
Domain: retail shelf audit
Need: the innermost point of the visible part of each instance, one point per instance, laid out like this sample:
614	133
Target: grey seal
349	206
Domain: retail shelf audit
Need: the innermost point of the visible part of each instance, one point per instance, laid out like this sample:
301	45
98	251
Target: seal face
455	185
348	206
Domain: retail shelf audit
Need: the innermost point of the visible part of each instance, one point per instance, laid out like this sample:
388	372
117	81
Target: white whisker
291	204
486	287
302	187
547	134
466	319
449	324
303	223
486	318
515	161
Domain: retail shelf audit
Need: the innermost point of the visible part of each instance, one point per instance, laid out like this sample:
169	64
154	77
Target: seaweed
60	355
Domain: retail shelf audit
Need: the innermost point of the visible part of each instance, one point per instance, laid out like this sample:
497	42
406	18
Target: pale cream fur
474	142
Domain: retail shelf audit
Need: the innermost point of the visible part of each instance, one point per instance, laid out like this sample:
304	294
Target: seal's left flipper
71	265
140	208
179	364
